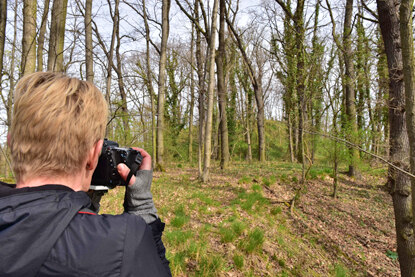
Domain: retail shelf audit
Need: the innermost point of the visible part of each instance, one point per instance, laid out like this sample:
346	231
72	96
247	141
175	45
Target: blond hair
56	120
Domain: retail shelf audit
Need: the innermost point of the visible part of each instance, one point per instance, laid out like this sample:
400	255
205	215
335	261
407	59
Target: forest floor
241	224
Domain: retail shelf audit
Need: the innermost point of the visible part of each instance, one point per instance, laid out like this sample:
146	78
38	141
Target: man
46	228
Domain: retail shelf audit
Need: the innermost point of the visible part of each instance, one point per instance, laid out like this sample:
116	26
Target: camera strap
134	168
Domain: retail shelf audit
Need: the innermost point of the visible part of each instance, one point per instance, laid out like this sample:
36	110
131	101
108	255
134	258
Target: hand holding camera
123	170
106	175
115	166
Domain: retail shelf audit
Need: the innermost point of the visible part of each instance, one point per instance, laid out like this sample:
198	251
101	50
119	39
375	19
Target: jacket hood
30	224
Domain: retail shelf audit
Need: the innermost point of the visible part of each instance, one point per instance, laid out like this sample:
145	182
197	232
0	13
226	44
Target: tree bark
42	34
407	46
3	22
89	62
398	182
301	76
150	87
350	90
211	87
201	90
161	84
8	102
57	36
192	97
28	64
222	95
120	79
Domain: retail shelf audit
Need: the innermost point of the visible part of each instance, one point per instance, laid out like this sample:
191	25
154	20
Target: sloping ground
240	223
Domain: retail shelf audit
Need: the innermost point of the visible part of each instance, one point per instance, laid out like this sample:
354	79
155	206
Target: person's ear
93	156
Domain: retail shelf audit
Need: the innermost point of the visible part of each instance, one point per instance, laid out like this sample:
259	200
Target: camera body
106	175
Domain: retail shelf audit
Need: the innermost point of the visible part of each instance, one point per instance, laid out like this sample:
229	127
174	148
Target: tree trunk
336	162
110	55
290	138
211	88
398	182
57	36
28	64
120	79
301	76
42	33
407	46
150	88
350	90
259	97
3	21
89	62
201	89
192	97
222	95
161	84
8	103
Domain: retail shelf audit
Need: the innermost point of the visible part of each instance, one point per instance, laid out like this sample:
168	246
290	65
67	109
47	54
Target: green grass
245	180
181	218
269	181
209	265
232	226
276	210
238	227
227	235
254	241
238	260
177	237
341	271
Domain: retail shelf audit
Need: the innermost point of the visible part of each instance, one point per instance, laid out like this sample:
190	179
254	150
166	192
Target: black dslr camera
106	175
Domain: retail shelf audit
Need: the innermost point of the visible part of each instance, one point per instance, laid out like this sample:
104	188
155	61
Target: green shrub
313	174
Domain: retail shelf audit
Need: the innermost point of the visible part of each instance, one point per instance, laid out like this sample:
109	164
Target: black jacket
46	231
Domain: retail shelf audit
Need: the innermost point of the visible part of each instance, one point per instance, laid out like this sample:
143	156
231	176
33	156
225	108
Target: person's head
56	121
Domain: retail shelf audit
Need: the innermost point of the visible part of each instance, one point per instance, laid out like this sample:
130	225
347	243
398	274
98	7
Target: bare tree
222	91
108	53
89	62
150	86
57	35
350	87
256	80
192	95
3	21
42	34
28	63
161	84
211	87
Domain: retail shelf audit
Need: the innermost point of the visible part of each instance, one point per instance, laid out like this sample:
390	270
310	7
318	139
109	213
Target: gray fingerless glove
138	199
